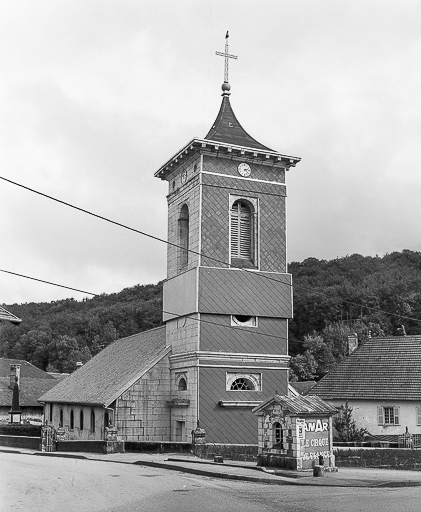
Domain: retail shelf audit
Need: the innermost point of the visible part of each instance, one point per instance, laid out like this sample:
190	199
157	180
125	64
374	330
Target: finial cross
227	56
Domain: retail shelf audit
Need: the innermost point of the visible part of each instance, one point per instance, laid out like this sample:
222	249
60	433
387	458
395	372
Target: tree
345	427
302	367
322	353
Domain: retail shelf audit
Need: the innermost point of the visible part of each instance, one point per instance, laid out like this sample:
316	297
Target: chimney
400	331
352	342
14	375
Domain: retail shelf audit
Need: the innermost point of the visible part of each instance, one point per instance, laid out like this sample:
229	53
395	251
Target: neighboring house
6	315
381	380
33	383
303	387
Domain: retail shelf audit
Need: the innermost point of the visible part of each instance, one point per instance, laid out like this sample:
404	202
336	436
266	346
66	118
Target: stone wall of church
142	413
82	428
183	334
183	193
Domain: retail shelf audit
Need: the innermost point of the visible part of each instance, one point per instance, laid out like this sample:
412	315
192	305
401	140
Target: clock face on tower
244	169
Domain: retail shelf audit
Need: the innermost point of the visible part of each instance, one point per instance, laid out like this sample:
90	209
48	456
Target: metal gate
48	438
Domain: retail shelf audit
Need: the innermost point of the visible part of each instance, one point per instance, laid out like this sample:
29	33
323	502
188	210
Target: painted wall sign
317	426
316	442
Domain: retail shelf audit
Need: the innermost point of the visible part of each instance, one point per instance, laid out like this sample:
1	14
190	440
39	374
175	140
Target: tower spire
226	86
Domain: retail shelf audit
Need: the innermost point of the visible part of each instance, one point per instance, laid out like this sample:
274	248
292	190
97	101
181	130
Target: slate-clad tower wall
227	298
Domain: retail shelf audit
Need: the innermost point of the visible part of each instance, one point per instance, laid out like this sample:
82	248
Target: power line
47	282
201	320
274	336
106	219
164	241
132	229
376	309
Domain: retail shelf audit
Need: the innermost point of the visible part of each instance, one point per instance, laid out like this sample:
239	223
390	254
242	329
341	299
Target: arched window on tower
183	236
242	221
182	384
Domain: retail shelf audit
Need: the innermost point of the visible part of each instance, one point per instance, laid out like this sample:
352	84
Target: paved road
34	483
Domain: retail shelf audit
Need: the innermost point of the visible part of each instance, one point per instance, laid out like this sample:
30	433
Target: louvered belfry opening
241	235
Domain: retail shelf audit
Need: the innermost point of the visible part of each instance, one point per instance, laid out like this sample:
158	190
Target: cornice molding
205	145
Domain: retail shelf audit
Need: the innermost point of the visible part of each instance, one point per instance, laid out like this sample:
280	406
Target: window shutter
245	232
380	415
418	414
396	414
240	231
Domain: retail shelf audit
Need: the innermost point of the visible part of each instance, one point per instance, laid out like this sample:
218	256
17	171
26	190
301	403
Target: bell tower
227	297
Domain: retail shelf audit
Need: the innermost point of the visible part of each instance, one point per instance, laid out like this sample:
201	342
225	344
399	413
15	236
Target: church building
227	299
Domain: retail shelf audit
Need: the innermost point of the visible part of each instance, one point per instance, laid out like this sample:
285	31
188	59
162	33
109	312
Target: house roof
227	128
33	383
382	368
6	315
303	387
299	404
107	375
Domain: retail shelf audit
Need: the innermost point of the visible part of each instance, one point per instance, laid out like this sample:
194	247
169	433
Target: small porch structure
295	432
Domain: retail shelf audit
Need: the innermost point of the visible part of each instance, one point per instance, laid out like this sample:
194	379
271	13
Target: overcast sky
96	95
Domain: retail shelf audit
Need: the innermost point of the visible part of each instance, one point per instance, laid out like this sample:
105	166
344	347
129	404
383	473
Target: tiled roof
33	383
387	368
226	128
102	379
303	387
6	315
299	404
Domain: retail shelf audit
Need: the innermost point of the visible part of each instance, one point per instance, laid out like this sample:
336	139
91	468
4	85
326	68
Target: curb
282	480
203	472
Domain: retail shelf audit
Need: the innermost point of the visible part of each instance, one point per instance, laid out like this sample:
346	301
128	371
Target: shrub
21	430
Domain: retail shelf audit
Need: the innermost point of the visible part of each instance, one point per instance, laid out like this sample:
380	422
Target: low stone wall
91	446
154	446
277	461
244	452
385	458
31	443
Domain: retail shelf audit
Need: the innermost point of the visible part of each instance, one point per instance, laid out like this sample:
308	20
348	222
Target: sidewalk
247	471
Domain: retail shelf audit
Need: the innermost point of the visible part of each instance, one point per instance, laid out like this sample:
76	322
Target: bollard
318	470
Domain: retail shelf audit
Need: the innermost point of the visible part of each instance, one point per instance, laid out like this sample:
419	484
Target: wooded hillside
331	299
58	334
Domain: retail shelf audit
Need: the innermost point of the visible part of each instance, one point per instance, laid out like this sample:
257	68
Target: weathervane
226	86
